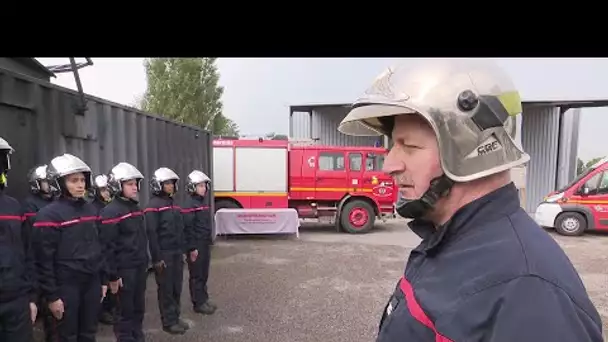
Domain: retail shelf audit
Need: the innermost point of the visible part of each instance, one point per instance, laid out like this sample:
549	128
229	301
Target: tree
186	90
580	166
221	125
592	161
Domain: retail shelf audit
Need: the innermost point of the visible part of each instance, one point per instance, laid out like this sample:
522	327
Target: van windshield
581	176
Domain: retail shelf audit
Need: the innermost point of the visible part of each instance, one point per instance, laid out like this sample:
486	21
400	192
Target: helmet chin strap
439	187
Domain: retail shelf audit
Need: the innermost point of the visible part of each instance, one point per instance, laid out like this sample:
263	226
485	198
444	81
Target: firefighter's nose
393	165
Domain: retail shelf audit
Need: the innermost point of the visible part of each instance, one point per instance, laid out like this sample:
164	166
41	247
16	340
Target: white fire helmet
67	164
194	178
123	172
36	175
471	106
100	181
161	175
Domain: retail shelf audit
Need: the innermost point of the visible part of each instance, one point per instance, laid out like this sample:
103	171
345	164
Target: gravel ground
323	287
589	254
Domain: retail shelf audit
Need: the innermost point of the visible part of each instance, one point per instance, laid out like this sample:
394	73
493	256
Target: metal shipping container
40	121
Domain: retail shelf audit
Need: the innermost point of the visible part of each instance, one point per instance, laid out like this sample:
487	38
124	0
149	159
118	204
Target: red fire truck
344	185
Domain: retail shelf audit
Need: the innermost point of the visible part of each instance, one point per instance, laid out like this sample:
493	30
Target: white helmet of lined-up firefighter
194	178
160	176
471	106
5	161
35	177
64	165
123	172
100	182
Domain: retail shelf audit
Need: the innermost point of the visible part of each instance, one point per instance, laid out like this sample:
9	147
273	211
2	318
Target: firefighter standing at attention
70	255
39	197
165	227
124	235
18	308
100	192
40	193
197	222
484	270
101	197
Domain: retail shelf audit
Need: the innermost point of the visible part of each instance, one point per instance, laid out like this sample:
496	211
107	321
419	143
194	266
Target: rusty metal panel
540	135
39	121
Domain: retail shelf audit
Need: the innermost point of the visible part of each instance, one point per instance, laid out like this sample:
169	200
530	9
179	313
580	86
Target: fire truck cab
345	185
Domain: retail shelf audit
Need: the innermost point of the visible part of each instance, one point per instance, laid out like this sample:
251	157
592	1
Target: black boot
183	324
107	318
208	308
175	329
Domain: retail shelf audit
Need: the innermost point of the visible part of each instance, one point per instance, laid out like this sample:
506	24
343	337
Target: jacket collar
500	202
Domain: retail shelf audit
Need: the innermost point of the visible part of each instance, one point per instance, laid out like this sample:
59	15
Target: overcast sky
258	92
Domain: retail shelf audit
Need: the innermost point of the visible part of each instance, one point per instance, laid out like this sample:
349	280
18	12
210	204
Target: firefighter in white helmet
124	234
100	192
18	308
197	223
69	254
39	197
165	227
101	197
482	261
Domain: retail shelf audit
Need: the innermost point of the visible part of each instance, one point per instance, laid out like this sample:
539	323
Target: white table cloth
257	221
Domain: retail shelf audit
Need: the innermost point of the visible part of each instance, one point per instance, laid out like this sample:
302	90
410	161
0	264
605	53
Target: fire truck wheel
225	204
570	224
357	217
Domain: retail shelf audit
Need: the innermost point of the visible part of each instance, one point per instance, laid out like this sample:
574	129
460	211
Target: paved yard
324	287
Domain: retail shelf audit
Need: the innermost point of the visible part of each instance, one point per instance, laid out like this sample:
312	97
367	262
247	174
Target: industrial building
547	130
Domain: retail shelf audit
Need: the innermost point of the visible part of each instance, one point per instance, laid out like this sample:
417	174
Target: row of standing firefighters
62	256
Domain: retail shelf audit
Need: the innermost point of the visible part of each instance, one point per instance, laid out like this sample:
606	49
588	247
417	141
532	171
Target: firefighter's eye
406	144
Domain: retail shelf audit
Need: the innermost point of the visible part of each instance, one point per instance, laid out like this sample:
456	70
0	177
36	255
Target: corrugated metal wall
568	146
540	129
299	125
325	122
39	121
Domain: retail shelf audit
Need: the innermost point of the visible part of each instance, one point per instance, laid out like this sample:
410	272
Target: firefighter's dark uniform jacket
165	227
98	203
31	205
489	274
16	258
123	232
69	243
197	222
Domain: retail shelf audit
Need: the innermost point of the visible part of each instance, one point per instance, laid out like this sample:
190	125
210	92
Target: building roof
568	103
33	63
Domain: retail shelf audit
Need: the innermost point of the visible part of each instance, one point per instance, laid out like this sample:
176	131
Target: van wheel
571	224
357	217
